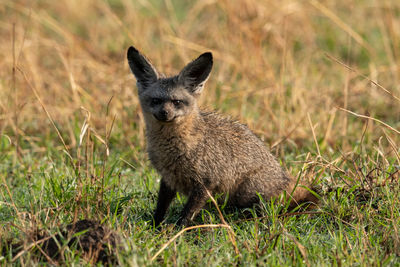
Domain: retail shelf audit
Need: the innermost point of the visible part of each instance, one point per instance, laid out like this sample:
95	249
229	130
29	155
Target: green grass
277	68
356	222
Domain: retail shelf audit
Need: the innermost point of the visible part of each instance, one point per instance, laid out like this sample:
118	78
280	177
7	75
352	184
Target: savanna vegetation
318	81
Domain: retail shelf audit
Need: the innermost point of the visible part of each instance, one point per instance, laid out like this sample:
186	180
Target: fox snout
165	113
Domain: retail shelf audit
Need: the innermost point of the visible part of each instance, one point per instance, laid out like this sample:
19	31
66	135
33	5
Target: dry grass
271	66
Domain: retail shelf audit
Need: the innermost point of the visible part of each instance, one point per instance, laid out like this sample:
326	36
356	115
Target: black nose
162	115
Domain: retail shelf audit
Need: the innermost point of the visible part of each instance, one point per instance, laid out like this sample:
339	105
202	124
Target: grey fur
195	151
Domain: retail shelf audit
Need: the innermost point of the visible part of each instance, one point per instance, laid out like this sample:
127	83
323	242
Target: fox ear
144	72
195	74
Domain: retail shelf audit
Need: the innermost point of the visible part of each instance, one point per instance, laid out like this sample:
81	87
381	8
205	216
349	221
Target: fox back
197	151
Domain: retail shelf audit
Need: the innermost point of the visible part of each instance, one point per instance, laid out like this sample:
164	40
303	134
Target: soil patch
95	242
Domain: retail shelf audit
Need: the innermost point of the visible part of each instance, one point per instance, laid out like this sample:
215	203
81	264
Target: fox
201	153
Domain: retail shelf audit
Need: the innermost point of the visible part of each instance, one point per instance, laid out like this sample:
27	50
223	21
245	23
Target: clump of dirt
95	242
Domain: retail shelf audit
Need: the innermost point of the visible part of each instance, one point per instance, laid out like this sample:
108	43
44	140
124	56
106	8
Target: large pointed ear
144	72
195	74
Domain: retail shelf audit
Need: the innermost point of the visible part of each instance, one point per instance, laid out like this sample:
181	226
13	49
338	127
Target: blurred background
317	80
286	68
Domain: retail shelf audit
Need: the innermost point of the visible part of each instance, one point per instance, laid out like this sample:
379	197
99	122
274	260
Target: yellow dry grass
283	67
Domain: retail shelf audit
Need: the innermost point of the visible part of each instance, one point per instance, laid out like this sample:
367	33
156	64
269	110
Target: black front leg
165	196
196	201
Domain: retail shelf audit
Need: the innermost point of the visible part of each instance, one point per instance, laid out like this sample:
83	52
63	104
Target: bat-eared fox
196	151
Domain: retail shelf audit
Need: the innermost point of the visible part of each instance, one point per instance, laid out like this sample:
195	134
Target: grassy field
318	81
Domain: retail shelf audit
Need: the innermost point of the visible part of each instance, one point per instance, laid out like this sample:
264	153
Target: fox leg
165	196
196	201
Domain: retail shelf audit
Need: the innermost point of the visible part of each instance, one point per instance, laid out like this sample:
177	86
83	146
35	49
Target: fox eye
156	101
177	103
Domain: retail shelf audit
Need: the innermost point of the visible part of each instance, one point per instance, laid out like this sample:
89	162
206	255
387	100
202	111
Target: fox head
168	100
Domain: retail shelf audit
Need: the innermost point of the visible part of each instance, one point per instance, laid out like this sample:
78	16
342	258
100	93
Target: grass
317	81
